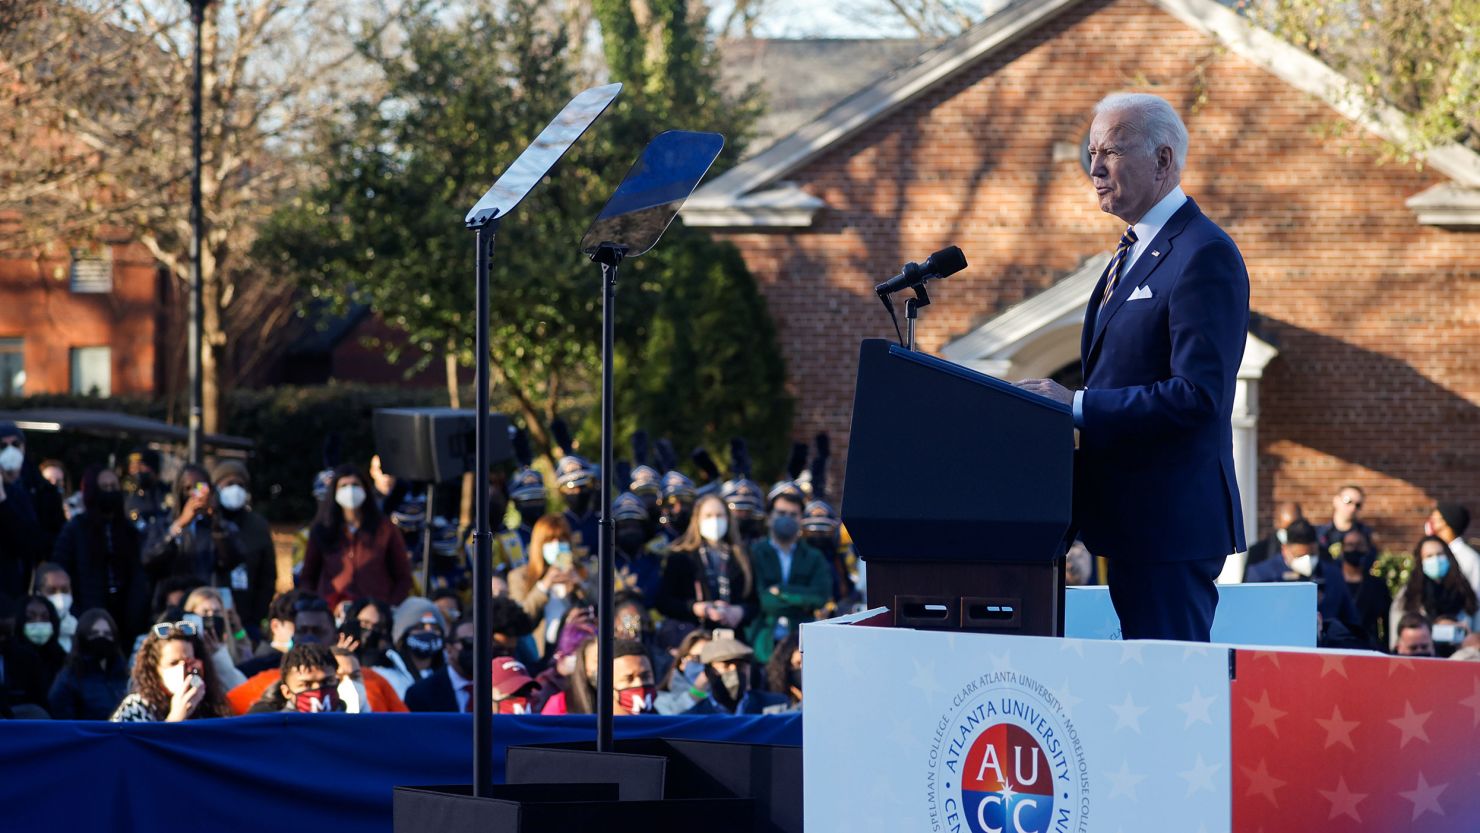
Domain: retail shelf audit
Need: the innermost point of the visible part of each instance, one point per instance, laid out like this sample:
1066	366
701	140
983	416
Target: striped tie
1127	240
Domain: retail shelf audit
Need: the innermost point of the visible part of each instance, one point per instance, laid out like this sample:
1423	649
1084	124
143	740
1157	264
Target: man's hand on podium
1048	388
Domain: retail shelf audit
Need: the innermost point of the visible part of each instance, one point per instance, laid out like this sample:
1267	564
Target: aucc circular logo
1007	759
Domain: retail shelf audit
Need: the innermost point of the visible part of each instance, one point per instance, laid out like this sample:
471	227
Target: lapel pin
1155	253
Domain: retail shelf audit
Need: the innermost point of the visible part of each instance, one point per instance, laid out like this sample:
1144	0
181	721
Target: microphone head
947	261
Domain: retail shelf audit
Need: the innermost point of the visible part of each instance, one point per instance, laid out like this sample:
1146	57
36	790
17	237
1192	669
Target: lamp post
197	312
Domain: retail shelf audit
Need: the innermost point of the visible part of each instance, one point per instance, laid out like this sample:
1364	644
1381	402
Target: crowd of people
138	600
1428	609
149	600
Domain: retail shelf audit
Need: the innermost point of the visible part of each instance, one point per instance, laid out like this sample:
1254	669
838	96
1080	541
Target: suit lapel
1139	273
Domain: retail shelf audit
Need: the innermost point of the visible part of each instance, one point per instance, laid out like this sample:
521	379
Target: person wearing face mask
552	582
95	678
40	626
685	684
100	551
677	506
144	494
793	579
353	551
1301	560
308	683
31	513
527	490
1436	588
1268	547
171	682
250	559
53	583
577	482
450	687
419	631
639	570
728	666
21	693
1369	593
708	578
1449	522
189	545
369	623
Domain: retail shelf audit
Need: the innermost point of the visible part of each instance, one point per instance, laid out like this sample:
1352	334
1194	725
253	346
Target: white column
1246	450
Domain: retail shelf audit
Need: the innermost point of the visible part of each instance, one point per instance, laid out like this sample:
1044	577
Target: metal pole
607	569
483	559
426	542
197	311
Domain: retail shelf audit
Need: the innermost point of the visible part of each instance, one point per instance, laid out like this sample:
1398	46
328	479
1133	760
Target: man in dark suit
1164	332
449	688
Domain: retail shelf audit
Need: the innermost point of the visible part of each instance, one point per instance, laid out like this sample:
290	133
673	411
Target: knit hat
1456	516
230	468
411	612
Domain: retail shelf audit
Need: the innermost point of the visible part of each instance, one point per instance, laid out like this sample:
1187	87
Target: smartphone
1449	634
723	633
201	489
195	668
565	560
194	619
226	599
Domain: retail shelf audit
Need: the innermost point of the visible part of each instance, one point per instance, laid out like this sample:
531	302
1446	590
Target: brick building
81	321
1361	362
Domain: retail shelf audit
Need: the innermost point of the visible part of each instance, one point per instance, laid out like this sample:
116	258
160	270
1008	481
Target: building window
92	270
92	371
12	367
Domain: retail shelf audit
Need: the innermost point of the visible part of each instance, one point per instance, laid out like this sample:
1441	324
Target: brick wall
1374	315
37	304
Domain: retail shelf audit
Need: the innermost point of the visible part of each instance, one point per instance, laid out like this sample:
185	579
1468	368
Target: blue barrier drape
288	773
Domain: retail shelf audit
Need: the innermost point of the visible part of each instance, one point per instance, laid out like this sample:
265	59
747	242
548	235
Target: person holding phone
187	546
205	604
552	582
171	682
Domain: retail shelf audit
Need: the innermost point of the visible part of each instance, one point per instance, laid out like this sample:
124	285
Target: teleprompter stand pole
482	536
610	257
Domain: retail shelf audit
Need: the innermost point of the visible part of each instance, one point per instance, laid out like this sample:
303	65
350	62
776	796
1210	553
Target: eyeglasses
1352	502
164	630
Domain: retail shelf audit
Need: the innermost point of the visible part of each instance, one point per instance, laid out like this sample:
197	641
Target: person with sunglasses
171	680
1344	509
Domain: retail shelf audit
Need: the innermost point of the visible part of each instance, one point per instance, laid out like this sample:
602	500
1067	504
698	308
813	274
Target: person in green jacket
792	579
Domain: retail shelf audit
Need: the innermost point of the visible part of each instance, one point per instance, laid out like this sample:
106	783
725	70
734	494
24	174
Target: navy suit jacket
1154	478
432	694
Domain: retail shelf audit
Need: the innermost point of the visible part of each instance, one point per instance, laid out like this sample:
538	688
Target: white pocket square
1141	293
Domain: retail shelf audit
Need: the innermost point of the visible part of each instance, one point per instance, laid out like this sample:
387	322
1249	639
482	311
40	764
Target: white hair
1152	119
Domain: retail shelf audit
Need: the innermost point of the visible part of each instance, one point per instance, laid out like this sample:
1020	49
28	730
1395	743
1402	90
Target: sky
810	18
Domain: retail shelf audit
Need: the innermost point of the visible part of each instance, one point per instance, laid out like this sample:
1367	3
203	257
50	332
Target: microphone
942	264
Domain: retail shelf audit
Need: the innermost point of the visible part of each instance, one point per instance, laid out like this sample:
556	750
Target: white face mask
350	496
233	497
173	678
11	459
713	529
552	550
62	602
1304	565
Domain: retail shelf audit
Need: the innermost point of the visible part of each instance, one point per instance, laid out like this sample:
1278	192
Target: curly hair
778	669
148	685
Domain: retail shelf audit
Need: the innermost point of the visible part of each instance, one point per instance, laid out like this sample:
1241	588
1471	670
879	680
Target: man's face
1345	506
16	442
463	632
451	610
1127	180
314	626
298	680
1294	551
55	581
630	672
1416	642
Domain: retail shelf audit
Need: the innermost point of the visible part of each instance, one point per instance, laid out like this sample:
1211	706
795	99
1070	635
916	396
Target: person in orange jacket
380	696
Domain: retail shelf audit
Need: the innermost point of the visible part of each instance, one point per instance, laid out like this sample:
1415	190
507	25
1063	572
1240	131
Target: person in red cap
512	686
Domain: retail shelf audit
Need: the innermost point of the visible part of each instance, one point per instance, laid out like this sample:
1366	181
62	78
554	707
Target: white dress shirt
1146	230
459	684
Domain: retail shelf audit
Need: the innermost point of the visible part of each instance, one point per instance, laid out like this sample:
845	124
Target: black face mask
678	519
631	540
497	508
424	644
579	503
100	647
465	658
531	512
823	544
110	504
752	528
1356	558
215	624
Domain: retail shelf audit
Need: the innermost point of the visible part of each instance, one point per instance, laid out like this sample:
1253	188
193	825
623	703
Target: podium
958	495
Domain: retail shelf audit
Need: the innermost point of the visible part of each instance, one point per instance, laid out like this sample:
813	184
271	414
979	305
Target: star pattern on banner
1123	783
1425	797
1066	698
925	679
1343	801
1411	725
1200	776
1338	730
1131	652
1265	714
1197	708
1383	744
1128	715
